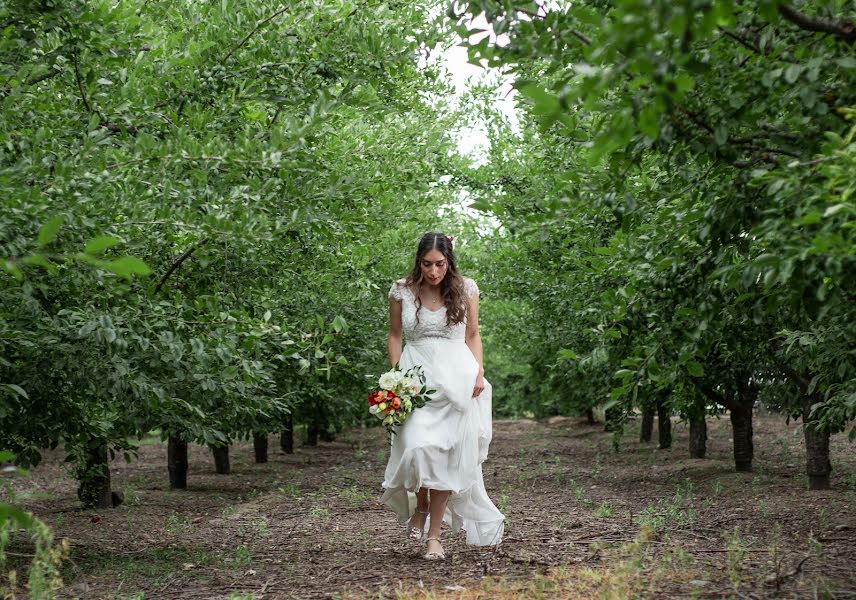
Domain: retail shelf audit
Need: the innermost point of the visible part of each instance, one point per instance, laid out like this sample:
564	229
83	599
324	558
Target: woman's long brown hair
452	285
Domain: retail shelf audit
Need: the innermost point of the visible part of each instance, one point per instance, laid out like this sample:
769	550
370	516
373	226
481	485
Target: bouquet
399	393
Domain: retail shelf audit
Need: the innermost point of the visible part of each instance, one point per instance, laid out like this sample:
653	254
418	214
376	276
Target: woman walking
434	471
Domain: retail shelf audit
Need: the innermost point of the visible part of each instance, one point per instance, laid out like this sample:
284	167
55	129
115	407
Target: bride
434	471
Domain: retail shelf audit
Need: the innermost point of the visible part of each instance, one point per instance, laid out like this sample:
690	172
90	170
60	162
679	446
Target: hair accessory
451	239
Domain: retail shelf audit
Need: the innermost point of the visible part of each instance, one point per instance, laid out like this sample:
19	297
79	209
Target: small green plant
253	528
815	546
649	517
227	512
558	472
579	493
176	523
503	502
756	485
736	553
716	488
823	518
242	557
598	465
381	456
775	552
242	596
604	511
290	489
319	512
355	495
360	452
131	496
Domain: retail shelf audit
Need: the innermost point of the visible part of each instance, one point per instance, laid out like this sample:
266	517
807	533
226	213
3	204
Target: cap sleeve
470	287
395	292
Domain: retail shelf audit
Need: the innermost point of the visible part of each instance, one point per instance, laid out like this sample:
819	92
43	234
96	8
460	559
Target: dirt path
582	521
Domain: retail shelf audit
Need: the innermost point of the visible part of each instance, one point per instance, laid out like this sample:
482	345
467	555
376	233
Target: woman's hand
479	387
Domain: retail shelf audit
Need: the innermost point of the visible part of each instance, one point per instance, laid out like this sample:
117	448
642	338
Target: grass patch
153	566
633	572
355	495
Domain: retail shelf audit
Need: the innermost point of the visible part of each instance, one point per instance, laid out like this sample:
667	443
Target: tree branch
711	395
585	40
39	78
79	81
741	41
260	24
844	30
187	253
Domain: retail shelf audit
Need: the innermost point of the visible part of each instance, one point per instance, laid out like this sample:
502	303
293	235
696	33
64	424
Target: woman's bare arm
474	342
393	342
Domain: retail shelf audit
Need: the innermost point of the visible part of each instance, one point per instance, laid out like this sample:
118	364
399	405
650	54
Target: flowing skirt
442	445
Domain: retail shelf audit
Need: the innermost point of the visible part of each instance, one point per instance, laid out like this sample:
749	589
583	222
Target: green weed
736	553
176	523
319	512
604	511
355	495
242	557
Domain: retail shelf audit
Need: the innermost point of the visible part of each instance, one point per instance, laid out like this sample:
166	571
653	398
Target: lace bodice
432	324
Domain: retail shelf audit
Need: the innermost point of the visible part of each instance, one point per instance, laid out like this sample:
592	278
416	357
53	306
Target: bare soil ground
583	522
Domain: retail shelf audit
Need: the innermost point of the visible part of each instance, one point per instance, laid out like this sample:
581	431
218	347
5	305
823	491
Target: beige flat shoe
441	555
416	533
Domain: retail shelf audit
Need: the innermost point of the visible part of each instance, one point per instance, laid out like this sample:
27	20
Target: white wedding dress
442	445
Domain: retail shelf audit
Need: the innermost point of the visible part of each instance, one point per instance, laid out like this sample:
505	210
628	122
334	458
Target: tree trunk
817	463
590	416
286	436
94	480
664	424
176	460
647	424
698	438
221	459
741	432
311	435
260	445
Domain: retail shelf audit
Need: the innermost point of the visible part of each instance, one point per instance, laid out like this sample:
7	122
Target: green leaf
848	62
11	268
543	102
565	354
835	208
17	389
13	513
481	205
49	230
792	73
99	244
39	260
695	369
127	267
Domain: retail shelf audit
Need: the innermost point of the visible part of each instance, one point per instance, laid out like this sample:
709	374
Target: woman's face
434	267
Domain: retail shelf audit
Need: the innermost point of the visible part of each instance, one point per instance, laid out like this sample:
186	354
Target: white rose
388	380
